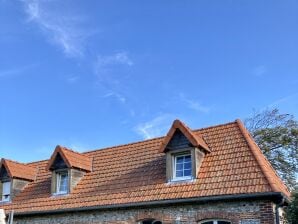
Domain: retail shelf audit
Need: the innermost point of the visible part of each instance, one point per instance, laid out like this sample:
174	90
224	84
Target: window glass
62	183
151	221
215	222
6	191
182	166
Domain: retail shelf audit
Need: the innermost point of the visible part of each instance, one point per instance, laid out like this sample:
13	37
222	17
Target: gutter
273	196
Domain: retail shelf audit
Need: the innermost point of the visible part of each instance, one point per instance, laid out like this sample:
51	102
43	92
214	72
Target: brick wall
260	212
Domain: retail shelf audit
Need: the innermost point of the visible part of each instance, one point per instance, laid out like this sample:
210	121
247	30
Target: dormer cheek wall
17	185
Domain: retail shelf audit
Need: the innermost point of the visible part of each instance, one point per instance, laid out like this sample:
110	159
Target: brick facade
245	212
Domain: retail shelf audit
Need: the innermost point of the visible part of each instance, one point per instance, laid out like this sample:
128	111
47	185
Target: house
213	175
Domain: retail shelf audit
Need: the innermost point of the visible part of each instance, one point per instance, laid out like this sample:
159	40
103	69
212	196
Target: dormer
14	177
185	151
68	168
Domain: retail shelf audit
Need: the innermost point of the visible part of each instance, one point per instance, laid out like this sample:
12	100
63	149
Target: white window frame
175	156
6	191
58	182
215	221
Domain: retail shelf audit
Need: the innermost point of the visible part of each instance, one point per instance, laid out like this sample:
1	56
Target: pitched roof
18	170
71	158
235	166
195	140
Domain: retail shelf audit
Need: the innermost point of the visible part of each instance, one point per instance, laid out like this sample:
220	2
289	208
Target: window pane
179	166
63	183
179	159
187	158
183	166
208	222
147	222
6	188
187	173
223	222
179	173
187	165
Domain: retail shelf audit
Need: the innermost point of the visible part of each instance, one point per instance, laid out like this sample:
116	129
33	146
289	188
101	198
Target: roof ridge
13	161
263	161
215	126
125	144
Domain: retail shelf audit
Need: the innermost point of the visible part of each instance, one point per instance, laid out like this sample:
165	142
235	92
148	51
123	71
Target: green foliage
277	136
292	209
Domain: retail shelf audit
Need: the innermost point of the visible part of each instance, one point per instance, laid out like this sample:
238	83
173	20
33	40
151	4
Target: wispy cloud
62	29
259	71
118	96
293	98
108	71
15	71
106	63
72	79
155	127
194	104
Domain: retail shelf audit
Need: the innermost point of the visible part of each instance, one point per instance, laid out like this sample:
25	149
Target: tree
277	136
292	209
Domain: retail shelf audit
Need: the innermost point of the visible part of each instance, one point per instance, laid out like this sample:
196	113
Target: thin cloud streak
155	127
289	98
62	30
105	64
15	71
106	69
259	71
118	96
193	104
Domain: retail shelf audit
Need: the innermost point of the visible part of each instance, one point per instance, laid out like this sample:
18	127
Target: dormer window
68	168
182	167
14	177
6	186
184	151
62	182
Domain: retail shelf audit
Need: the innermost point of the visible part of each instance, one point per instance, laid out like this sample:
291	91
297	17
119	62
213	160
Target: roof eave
276	197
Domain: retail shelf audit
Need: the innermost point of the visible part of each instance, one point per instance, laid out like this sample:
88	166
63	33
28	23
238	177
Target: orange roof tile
71	158
195	140
18	170
235	166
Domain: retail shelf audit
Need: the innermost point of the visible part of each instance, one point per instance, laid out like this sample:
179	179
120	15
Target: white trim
174	167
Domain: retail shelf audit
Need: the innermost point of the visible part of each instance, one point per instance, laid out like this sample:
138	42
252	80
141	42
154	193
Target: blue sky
90	74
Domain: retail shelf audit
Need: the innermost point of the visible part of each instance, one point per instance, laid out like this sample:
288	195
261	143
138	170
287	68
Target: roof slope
18	170
135	172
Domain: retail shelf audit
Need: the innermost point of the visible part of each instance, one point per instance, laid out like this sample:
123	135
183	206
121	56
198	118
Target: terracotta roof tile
18	170
136	172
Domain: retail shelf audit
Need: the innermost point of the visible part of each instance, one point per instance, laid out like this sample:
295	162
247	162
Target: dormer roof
195	139
71	158
18	170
